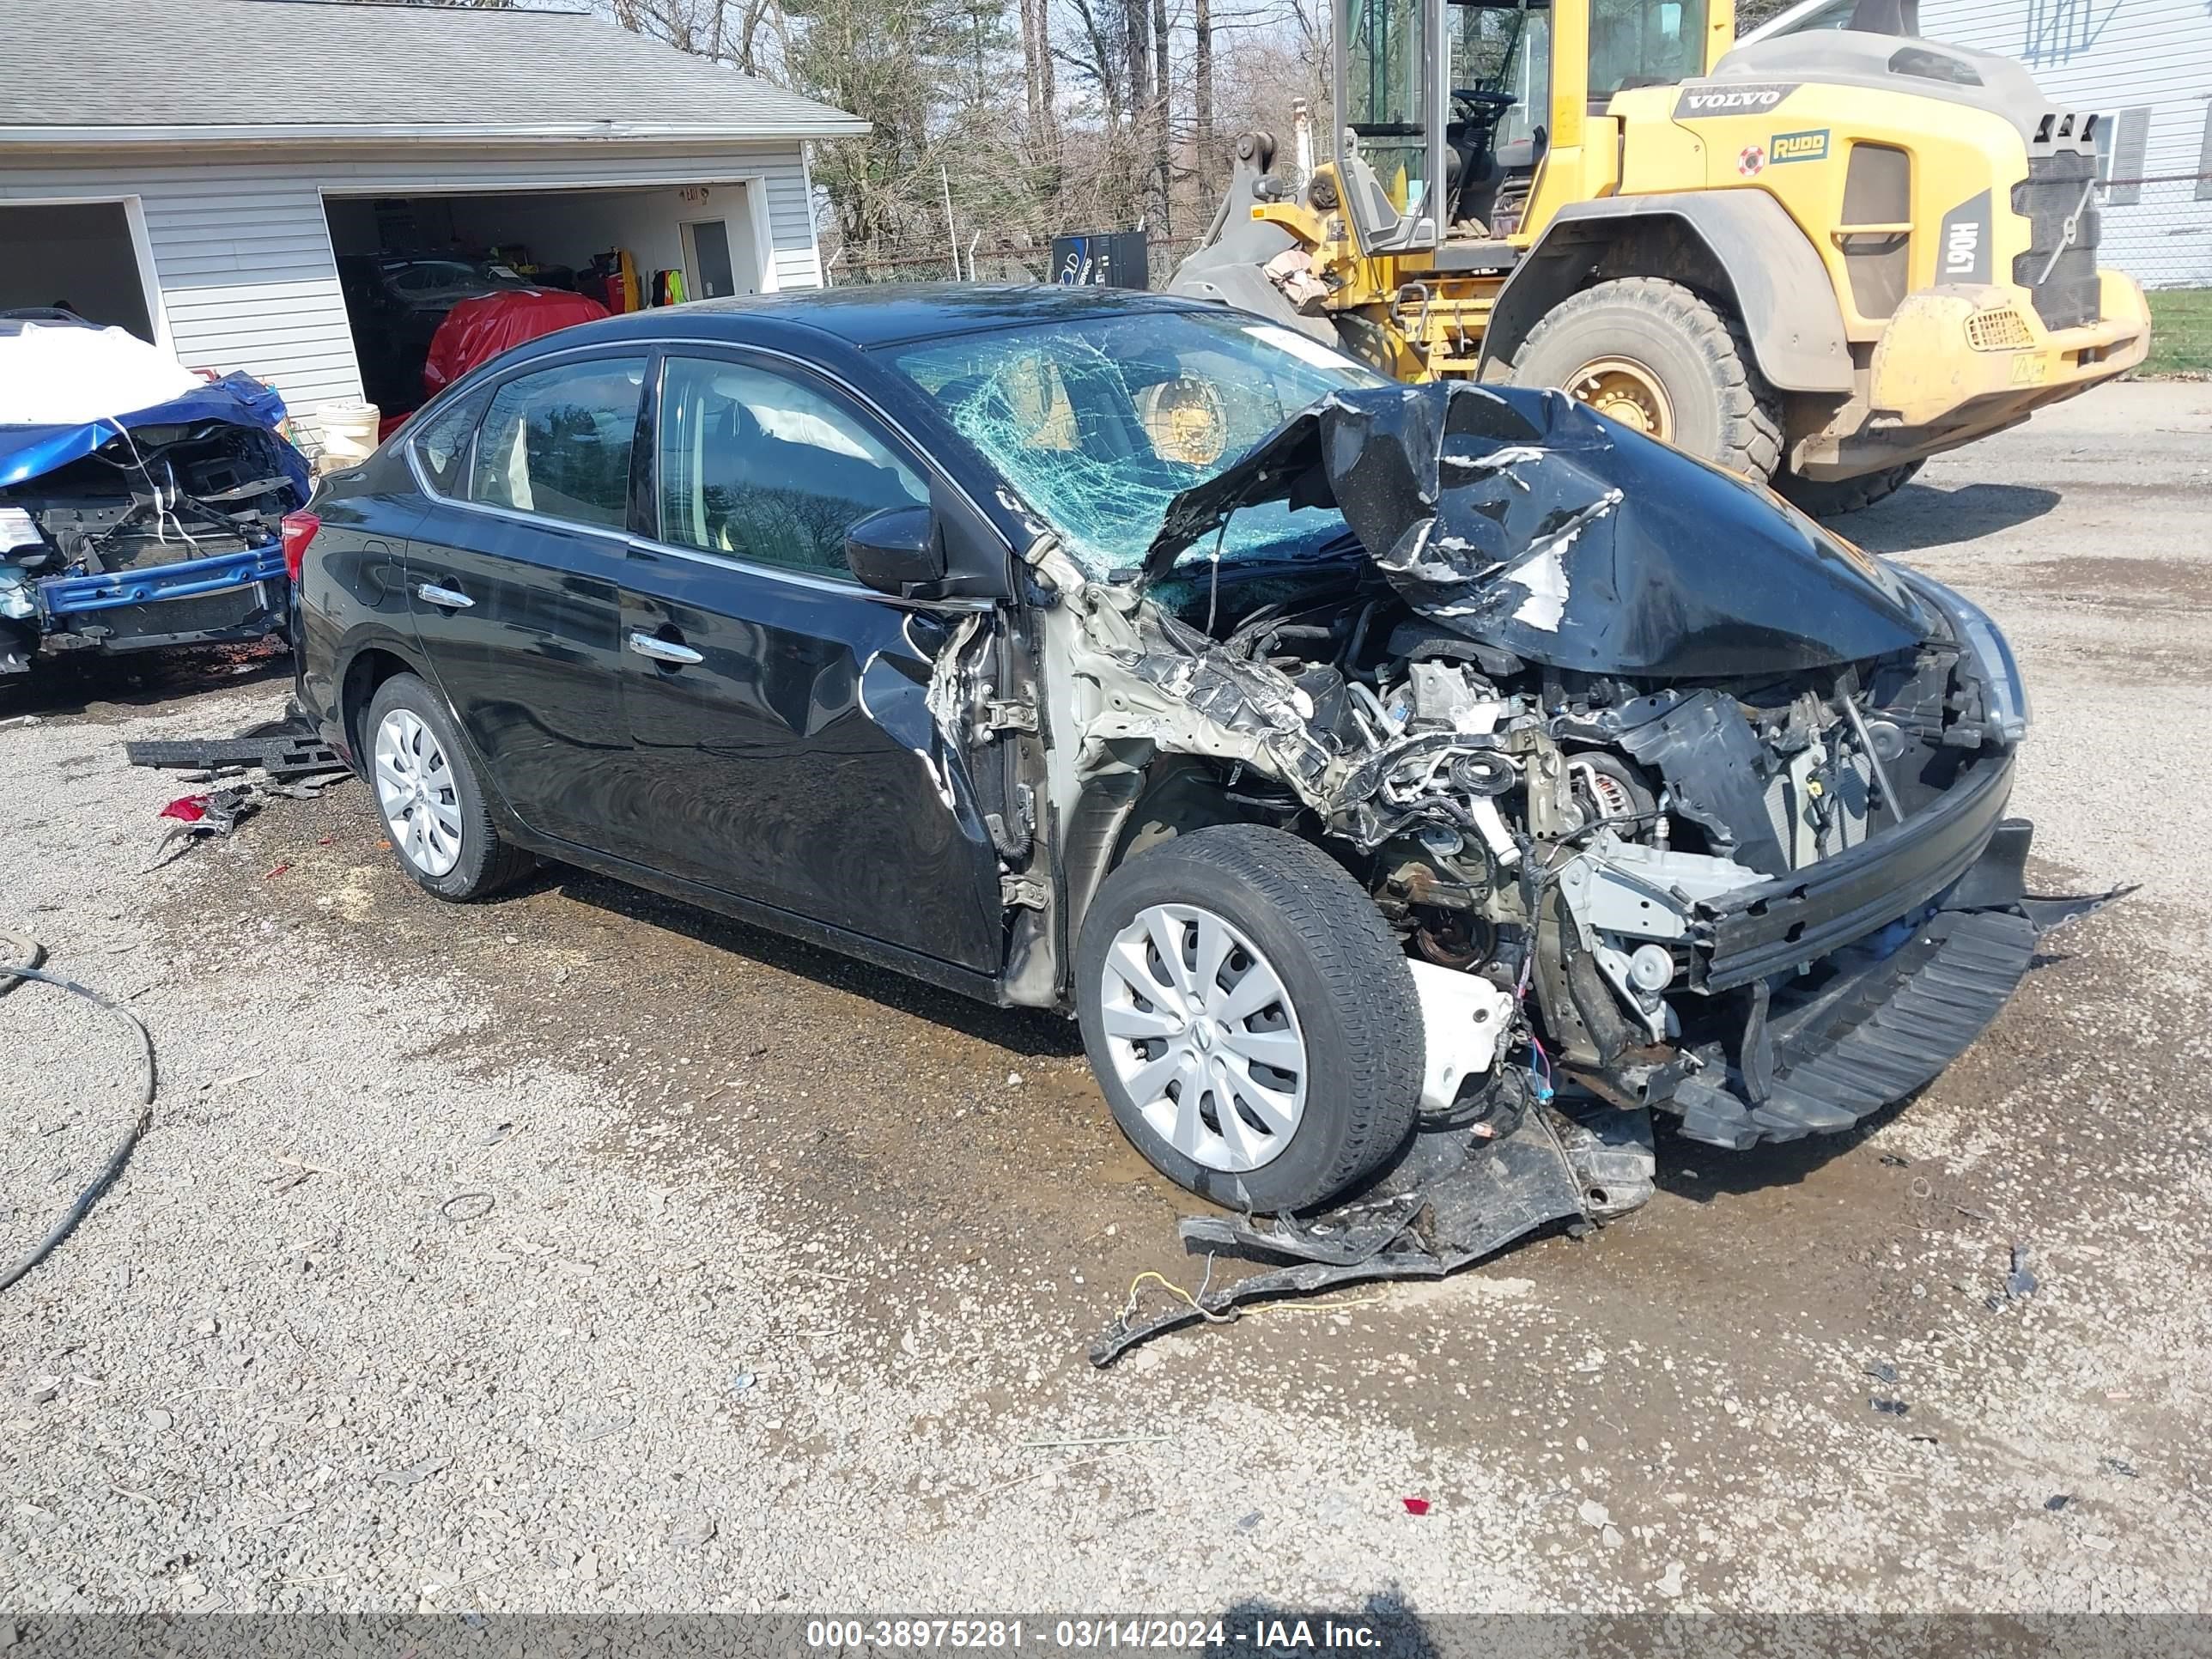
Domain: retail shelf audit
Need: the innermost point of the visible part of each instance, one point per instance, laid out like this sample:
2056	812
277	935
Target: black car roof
878	314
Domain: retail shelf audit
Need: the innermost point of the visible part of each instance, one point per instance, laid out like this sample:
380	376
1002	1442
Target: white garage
197	171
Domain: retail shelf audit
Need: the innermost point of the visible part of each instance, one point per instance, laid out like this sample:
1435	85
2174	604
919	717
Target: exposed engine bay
1675	801
161	527
156	495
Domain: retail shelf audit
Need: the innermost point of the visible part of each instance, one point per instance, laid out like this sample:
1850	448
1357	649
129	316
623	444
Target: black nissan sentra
1343	755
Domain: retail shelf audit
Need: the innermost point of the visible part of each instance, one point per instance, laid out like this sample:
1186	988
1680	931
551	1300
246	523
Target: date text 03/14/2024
1260	1635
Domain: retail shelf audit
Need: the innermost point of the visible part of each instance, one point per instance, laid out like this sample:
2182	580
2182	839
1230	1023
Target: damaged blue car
159	525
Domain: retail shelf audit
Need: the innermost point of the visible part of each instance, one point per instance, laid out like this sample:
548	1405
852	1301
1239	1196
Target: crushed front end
153	528
1712	802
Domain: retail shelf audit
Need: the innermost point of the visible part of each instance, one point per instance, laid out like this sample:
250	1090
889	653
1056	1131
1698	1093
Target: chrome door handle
660	650
444	599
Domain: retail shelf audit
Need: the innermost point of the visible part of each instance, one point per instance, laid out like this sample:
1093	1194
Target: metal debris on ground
1889	1407
468	1207
1882	1371
2020	1282
298	765
217	813
2119	1466
1452	1200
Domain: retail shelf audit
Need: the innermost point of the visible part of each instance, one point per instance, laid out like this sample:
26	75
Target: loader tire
1822	498
1659	357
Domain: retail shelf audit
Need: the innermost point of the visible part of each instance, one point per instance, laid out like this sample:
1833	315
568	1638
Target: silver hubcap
1204	1038
416	788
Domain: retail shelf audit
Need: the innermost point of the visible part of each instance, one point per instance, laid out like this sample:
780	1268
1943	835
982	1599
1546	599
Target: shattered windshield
1099	425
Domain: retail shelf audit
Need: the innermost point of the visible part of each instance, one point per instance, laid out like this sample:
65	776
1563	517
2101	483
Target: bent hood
33	449
1521	519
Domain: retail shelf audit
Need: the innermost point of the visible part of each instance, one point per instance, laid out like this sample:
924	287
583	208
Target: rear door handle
660	650
446	599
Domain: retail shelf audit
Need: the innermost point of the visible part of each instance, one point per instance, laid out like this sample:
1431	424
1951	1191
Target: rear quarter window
442	448
557	442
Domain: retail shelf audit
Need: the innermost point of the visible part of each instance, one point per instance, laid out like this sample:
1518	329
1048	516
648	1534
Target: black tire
485	864
1346	977
1724	410
1824	498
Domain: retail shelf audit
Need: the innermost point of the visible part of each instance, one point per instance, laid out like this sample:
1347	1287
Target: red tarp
478	330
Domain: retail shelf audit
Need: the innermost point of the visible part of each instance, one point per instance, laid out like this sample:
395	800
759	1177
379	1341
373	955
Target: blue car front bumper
231	595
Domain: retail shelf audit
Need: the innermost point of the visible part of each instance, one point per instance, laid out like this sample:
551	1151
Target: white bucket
349	433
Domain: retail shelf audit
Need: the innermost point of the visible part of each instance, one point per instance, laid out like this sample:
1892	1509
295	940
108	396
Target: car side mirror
899	551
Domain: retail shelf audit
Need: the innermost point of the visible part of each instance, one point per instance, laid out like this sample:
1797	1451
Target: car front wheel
1252	1022
427	791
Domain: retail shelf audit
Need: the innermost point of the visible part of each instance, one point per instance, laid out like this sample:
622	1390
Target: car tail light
300	529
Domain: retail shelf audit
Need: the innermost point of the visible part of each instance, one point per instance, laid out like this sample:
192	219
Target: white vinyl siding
241	250
2145	67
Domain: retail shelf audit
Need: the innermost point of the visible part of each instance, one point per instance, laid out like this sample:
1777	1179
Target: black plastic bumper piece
1811	913
286	752
1449	1201
1871	1037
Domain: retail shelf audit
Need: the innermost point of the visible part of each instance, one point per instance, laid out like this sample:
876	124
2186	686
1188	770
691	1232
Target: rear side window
557	442
442	446
757	465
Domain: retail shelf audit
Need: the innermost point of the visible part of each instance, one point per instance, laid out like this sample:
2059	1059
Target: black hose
85	1199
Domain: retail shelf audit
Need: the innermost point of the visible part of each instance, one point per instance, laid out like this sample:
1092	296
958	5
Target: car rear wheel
1252	1022
426	793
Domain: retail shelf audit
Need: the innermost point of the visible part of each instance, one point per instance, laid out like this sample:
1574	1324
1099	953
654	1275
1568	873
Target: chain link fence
2157	226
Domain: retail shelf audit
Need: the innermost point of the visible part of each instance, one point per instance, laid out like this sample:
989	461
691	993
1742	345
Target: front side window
1644	43
557	442
757	465
1099	424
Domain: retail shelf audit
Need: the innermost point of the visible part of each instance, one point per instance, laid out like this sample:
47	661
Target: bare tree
1123	117
1037	76
1208	163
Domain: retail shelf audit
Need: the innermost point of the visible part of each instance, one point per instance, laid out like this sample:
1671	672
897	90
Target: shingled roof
246	70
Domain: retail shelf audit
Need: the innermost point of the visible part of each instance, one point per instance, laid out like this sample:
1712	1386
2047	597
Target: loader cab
1450	107
1446	103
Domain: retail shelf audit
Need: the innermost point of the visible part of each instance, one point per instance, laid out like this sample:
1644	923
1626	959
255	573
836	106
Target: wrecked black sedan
1341	754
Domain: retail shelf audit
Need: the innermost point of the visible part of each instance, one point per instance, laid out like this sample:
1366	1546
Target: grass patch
2180	332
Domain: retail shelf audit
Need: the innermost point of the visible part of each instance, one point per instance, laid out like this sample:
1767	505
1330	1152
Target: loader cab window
1384	97
1501	85
1527	78
1644	43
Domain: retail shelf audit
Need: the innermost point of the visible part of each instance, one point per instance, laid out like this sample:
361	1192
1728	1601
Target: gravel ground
583	1251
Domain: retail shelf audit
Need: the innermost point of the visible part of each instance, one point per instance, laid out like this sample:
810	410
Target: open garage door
78	257
405	261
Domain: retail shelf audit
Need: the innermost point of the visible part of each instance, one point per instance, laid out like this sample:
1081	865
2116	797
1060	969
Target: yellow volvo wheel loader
1815	258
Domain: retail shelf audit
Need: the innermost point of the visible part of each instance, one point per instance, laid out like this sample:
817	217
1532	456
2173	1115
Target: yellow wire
1173	1289
1176	1290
